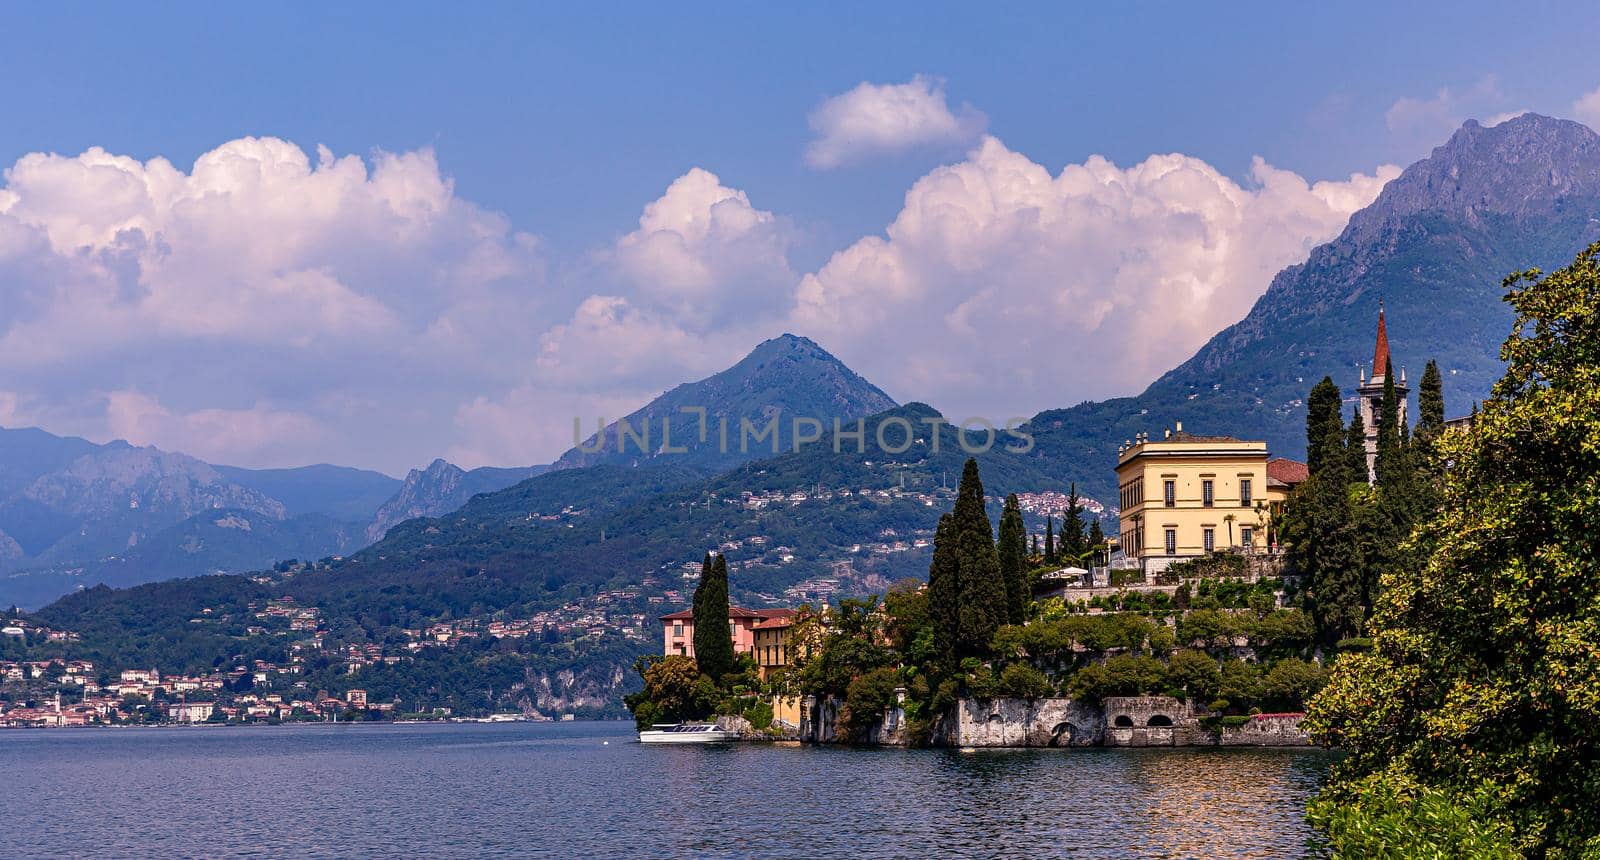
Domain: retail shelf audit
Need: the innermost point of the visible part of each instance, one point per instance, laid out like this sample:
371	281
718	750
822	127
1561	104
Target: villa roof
734	612
1286	471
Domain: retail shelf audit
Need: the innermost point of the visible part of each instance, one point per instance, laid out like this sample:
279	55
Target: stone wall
1123	721
1053	722
1148	721
1266	730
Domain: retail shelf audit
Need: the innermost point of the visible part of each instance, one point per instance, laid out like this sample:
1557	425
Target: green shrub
866	699
1024	682
759	714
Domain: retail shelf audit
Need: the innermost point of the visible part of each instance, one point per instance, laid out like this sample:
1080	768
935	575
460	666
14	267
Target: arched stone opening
1124	722
1159	720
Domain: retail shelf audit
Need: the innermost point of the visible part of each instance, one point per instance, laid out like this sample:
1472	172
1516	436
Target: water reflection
584	790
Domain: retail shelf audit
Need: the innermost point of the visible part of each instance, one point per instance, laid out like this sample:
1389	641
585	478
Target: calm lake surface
587	789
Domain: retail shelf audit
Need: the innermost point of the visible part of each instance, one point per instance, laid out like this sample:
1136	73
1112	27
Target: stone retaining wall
1123	721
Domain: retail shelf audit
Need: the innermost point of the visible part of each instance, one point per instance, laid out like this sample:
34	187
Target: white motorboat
685	733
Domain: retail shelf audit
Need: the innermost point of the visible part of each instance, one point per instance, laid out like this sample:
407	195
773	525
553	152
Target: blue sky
566	122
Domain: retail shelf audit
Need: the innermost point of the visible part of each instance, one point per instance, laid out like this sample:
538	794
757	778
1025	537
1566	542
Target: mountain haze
440	489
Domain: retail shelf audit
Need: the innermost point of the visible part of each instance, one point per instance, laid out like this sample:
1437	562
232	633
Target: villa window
1172	541
1210	539
677	628
1170	488
1206	493
1244	492
1247	536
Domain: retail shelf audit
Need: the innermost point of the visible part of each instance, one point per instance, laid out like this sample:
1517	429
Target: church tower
1371	394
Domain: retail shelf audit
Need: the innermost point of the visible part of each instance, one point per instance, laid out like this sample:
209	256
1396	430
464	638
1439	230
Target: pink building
677	629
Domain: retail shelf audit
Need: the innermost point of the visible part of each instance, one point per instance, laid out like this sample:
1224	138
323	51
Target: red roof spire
1380	355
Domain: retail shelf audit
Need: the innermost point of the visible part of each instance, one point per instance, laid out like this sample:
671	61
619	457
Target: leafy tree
1021	681
1239	683
672	692
1013	563
1480	701
1291	682
713	642
1195	673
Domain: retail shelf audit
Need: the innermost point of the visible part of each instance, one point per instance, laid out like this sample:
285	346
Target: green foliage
713	644
1430	404
1012	553
849	649
1055	640
1207	628
865	700
1324	427
944	590
1421	823
1072	543
1196	673
759	713
983	594
1021	681
1239	682
1291	682
1122	675
674	691
1479	706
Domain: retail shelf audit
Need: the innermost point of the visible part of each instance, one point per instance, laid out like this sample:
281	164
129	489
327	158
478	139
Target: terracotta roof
1287	471
733	612
1380	353
776	619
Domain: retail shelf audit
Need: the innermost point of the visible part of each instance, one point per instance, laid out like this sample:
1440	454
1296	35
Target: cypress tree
1072	542
944	590
983	594
1097	535
1388	466
1049	540
1324	547
1013	565
1356	449
713	641
699	604
1035	546
1322	414
1430	404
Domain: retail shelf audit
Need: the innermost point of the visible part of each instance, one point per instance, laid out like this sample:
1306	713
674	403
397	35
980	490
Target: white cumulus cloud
876	119
315	286
1001	289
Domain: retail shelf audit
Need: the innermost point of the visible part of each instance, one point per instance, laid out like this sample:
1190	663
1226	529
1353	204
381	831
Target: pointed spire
1380	353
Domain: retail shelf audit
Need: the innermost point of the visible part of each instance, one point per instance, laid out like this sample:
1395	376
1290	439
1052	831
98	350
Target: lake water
587	789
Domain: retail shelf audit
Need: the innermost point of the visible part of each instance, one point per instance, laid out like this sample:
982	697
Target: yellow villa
1185	495
773	652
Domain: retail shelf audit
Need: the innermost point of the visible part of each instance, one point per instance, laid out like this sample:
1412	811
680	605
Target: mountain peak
788	375
1523	166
